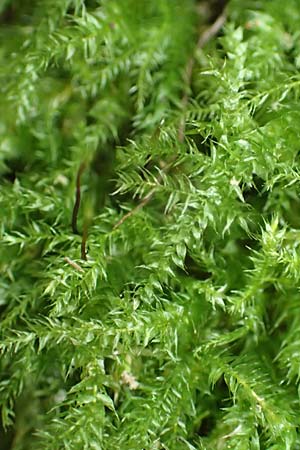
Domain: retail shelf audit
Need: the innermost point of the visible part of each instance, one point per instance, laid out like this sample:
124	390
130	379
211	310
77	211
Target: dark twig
77	198
75	213
208	34
147	197
83	241
142	203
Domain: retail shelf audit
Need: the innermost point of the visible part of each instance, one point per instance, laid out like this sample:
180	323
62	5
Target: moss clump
163	311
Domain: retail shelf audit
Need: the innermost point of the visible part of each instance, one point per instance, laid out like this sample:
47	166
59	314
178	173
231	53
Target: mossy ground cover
150	224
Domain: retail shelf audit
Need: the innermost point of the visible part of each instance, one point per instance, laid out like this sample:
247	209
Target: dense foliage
167	315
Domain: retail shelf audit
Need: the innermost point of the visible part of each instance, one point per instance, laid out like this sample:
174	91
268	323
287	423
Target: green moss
180	329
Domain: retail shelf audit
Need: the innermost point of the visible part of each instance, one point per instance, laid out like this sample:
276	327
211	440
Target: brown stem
142	203
212	31
77	198
83	241
204	37
73	264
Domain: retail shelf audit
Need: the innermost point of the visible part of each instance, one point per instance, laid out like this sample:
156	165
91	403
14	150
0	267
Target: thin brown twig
204	37
142	203
212	31
73	264
84	240
77	198
147	197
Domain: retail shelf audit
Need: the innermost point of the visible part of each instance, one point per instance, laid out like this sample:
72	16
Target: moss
170	319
